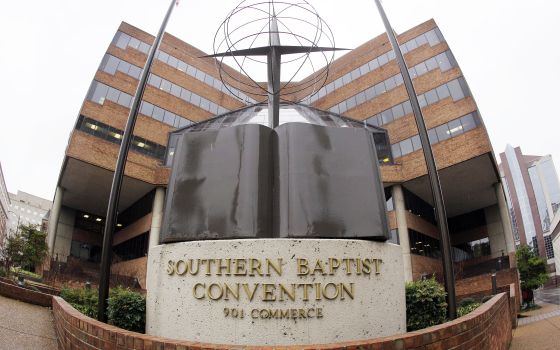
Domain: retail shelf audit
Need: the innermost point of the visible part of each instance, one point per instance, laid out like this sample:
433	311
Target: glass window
421	68
373	121
158	113
412	72
124	100
390	83
144	47
442	91
176	90
185	95
165	85
146	108
387	116
134	43
403	49
431	97
360	98
162	56
364	69
396	150
468	122
443	62
422	101
346	78
421	40
99	93
411	45
204	104
123	67
398	111
350	103
442	132
432	136
373	64
398	79
195	99
172	61
111	65
455	90
338	83
383	59
379	88
416	144
123	40
191	71
406	146
432	38
370	93
355	74
154	80
113	94
169	118
432	64
391	54
135	72
407	107
182	66
455	128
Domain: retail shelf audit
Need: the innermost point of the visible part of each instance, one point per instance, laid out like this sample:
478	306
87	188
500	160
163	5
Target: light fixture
141	144
119	225
98	219
91	126
386	160
117	136
86	216
455	129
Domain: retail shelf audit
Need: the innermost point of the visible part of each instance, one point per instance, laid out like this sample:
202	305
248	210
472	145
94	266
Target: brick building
4	208
364	85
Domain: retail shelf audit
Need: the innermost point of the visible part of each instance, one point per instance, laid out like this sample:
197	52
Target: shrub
425	304
82	299
127	309
486	298
466	301
465	309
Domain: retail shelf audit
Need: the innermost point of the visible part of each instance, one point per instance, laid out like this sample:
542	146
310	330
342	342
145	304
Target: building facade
364	85
533	193
4	208
27	209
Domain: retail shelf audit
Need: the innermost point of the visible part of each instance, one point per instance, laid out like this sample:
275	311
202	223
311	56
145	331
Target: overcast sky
508	50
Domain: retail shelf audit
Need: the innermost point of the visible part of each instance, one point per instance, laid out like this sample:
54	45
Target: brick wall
488	327
132	268
26	295
483	283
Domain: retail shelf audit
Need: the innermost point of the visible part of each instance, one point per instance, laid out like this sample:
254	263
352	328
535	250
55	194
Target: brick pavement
25	327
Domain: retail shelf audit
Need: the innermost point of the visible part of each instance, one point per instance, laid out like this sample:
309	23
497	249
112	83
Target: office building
533	194
27	209
363	85
4	208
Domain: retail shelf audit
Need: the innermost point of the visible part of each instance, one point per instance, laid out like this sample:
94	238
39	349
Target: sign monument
275	222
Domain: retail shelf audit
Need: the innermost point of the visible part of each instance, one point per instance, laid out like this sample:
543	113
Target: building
364	85
533	194
27	209
4	208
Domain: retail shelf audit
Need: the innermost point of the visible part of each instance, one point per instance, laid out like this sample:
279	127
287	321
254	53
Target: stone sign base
275	291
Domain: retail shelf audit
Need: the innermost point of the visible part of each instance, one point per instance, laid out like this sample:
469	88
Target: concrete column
53	219
400	213
506	220
157	216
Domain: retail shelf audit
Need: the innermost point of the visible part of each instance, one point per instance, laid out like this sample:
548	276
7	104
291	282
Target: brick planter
26	295
488	327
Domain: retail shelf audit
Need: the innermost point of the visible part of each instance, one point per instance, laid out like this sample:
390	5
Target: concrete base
275	291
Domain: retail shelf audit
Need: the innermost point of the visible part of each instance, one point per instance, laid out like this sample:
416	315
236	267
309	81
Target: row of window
100	92
444	61
456	88
108	133
433	37
111	64
437	134
185	95
123	40
421	244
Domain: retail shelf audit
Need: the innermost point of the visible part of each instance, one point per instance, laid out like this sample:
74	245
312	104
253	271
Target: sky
507	50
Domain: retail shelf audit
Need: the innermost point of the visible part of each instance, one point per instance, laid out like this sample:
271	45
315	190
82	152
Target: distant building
4	208
27	209
533	195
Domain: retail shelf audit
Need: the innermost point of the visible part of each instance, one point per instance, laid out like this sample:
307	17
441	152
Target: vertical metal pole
432	169
111	219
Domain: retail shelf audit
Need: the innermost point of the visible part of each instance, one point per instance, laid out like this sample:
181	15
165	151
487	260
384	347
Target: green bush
127	309
82	299
466	301
465	309
425	304
486	298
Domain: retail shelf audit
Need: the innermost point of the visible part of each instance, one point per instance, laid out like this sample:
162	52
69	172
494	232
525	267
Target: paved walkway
25	326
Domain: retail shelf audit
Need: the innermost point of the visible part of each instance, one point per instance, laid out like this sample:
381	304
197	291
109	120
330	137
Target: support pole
111	219
432	169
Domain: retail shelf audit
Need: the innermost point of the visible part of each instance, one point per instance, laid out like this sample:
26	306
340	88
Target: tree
26	249
532	270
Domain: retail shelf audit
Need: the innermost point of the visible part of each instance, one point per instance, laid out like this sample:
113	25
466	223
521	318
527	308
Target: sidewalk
540	330
25	326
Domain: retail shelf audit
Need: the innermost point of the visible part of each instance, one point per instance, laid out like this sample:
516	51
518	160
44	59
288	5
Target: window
455	90
442	132
406	146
